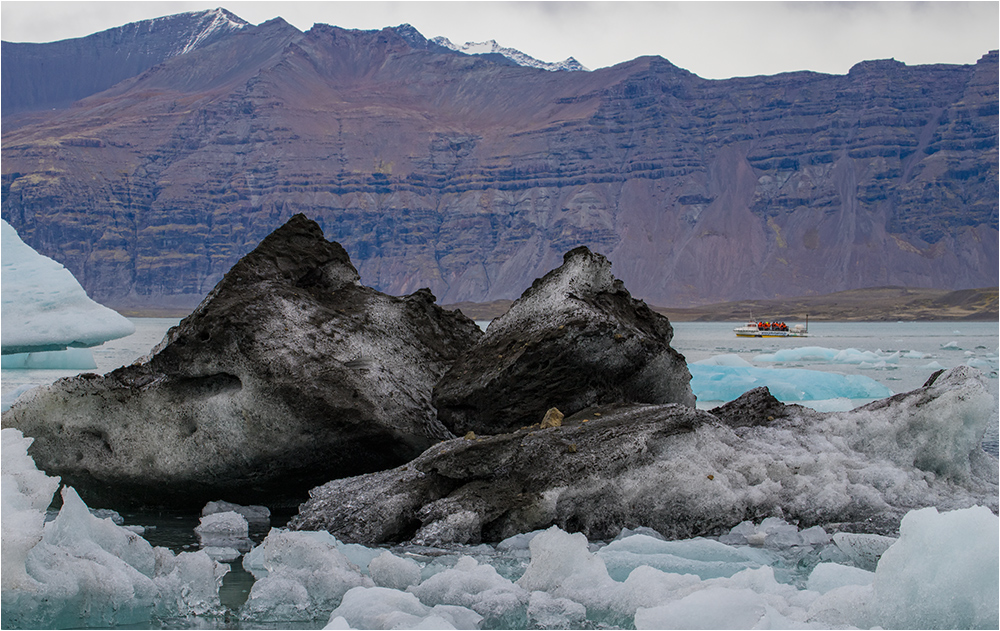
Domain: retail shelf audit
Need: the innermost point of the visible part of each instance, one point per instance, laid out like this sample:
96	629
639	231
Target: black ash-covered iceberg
288	374
574	339
683	472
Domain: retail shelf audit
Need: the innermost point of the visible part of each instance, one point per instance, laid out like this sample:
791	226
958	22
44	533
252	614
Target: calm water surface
948	344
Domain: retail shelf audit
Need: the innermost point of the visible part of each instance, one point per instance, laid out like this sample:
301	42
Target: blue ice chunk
804	353
729	359
831	355
67	359
705	558
725	383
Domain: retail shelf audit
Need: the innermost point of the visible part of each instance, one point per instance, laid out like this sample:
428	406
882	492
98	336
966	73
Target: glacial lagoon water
896	356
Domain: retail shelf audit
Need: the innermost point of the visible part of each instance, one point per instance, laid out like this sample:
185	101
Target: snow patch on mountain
521	59
212	22
195	28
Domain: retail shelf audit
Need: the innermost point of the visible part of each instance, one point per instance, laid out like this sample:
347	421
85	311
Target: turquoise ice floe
715	382
830	355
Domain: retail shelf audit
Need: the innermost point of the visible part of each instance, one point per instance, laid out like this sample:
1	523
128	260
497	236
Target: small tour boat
771	329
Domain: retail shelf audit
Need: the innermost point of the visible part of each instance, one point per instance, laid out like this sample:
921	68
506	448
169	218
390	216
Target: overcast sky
714	40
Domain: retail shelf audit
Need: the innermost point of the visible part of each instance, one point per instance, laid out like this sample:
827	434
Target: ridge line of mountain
471	176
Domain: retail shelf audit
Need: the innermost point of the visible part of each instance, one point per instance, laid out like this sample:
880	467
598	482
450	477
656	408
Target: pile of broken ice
82	571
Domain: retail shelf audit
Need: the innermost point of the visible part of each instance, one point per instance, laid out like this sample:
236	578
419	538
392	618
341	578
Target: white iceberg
44	307
941	573
300	576
227	529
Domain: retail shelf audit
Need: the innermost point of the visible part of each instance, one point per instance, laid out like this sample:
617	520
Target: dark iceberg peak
584	280
757	407
576	338
582	275
288	374
298	252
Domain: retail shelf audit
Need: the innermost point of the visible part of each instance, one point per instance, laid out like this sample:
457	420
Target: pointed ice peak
521	59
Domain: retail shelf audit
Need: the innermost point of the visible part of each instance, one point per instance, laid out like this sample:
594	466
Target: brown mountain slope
473	177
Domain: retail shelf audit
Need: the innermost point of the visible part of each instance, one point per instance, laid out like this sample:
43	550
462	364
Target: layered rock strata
576	338
471	177
683	472
288	374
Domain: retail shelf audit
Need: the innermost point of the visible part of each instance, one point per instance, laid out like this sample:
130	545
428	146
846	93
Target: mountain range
149	158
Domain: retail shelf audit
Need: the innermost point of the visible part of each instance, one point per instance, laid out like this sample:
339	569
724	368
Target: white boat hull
769	334
750	329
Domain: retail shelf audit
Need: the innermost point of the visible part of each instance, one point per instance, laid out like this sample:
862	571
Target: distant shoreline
878	304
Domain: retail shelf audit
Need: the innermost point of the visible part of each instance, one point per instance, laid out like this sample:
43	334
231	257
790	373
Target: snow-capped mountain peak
521	59
212	22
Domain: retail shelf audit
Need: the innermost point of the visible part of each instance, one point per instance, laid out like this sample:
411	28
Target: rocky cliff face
472	177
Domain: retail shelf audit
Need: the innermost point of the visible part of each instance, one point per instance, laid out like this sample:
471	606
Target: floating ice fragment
478	587
840	404
258	517
641	530
951	346
830	355
774	533
389	570
107	513
80	570
518	543
702	557
384	608
943	572
829	576
563	565
711	608
224	530
337	623
546	612
800	354
300	575
981	364
222	554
